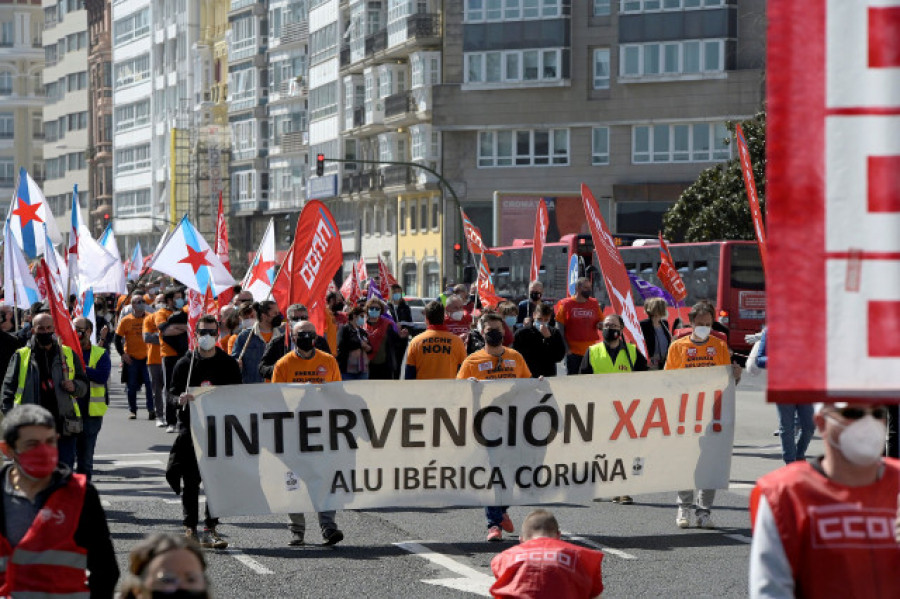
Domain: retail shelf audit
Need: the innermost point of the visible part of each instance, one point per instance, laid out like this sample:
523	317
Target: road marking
740	486
134	463
595	545
247	561
741	538
472	581
115	456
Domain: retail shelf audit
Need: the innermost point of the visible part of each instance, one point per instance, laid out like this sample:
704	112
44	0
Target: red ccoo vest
47	561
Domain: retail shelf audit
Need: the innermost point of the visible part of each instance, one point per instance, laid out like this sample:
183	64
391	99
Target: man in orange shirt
154	362
306	364
699	349
491	363
437	353
578	318
133	349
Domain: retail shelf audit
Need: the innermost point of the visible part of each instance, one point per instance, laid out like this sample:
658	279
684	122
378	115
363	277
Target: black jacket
540	353
8	346
348	339
650	337
218	369
276	349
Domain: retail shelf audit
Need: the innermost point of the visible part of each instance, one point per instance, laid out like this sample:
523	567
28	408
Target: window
132	27
132	203
523	148
697	142
600	145
6	83
134	70
638	6
512	10
680	58
7	125
413	206
601	8
323	101
133	158
323	43
435	214
601	68
7	171
514	65
132	115
242	85
402	216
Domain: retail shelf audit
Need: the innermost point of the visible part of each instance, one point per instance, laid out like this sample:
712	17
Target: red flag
485	285
473	238
362	274
350	288
65	329
668	274
222	251
752	197
316	255
387	280
618	285
195	310
540	236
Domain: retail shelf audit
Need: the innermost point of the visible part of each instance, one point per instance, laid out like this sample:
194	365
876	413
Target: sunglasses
207	332
857	413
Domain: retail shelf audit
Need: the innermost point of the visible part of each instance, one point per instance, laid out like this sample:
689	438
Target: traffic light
457	253
320	165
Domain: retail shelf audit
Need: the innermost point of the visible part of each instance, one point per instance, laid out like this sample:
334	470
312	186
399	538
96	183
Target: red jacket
546	568
47	560
839	540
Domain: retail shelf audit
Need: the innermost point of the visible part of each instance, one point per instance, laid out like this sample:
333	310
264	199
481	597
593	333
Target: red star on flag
27	212
195	259
261	272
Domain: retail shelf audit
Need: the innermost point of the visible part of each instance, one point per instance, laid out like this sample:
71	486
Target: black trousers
168	363
190	490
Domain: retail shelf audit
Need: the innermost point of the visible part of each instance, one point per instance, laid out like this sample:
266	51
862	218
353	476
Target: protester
508	311
8	343
334	317
46	373
306	364
540	343
353	346
171	321
246	320
154	361
542	565
165	565
824	528
383	339
437	353
456	320
211	366
526	306
278	346
657	335
33	546
494	362
243	297
397	306
251	342
613	353
94	404
697	350
577	319
226	324
133	350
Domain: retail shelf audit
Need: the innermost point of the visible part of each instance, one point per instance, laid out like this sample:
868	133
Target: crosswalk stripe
595	545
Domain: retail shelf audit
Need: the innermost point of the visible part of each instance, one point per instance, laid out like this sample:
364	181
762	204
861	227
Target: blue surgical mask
361	321
374	313
179	303
396	297
510	321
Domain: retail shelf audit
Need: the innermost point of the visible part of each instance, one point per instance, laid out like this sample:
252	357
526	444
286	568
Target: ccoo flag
540	236
188	258
261	274
28	214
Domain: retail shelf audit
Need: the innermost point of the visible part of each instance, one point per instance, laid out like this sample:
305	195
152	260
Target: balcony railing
294	32
424	25
397	175
376	42
294	141
345	55
398	104
370	180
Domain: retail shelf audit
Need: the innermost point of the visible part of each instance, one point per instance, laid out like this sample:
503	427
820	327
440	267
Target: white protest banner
278	448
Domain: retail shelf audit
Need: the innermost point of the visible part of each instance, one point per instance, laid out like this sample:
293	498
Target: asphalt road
442	553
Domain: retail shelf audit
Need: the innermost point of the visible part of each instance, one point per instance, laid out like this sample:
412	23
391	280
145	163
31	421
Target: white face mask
702	333
457	315
206	342
247	323
861	441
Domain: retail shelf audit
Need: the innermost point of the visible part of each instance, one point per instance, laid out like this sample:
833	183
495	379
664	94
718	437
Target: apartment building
21	92
630	97
100	115
65	115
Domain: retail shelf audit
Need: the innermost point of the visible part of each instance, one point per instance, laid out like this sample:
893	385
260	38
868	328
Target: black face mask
585	294
276	322
611	334
180	594
337	308
304	341
493	337
536	296
44	339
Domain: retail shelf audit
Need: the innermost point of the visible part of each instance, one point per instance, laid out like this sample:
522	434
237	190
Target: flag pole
286	256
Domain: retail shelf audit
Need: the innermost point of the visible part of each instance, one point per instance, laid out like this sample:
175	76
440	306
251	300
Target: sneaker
151	416
132	415
170	428
494	534
160	423
624	500
296	539
212	540
683	520
704	520
507	524
332	536
191	533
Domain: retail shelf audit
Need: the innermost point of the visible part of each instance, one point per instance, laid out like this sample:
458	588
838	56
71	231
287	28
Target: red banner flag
222	251
750	184
316	255
618	285
540	236
668	275
362	273
350	288
485	285
473	238
65	329
387	280
196	303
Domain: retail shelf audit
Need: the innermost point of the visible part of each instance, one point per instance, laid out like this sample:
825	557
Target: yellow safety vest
97	405
25	360
602	363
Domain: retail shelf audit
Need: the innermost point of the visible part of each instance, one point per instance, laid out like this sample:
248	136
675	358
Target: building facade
100	115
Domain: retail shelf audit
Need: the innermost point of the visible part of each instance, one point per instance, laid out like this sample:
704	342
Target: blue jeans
85	443
494	514
793	448
139	375
355	376
66	447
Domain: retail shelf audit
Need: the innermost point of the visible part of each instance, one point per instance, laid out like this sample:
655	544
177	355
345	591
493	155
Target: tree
715	206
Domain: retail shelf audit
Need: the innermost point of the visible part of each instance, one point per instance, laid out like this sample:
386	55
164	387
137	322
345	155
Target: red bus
727	273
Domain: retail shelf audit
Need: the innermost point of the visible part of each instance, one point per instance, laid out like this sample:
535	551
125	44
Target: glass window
670	60
474	69
712	55
402	216
492	69
721	147
560	146
551	64
641	151
523	147
691	57
504	148
601	68
601	8
541	147
681	135
435	213
600	145
513	72
530	65
701	141
485	149
651	59
632	60
660	143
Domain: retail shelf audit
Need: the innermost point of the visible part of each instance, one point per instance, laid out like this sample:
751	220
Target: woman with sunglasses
825	528
165	565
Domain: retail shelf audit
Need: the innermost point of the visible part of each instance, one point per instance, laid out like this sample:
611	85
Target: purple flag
648	290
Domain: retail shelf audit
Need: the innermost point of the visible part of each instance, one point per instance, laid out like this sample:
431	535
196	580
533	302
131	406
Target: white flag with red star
261	274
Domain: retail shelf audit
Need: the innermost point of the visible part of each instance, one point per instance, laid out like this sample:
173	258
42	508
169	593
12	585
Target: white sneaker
170	428
704	520
160	423
683	519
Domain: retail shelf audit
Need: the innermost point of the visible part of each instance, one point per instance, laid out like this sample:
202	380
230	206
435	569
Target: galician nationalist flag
133	272
28	214
188	258
261	274
19	287
114	279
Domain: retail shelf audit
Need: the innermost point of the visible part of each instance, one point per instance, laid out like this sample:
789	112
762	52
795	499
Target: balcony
376	42
364	182
345	55
288	199
295	141
424	26
397	176
293	33
398	105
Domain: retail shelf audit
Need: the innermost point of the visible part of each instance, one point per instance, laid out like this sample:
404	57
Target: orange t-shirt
131	328
436	354
483	366
159	317
154	355
685	353
580	322
266	336
230	343
320	368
